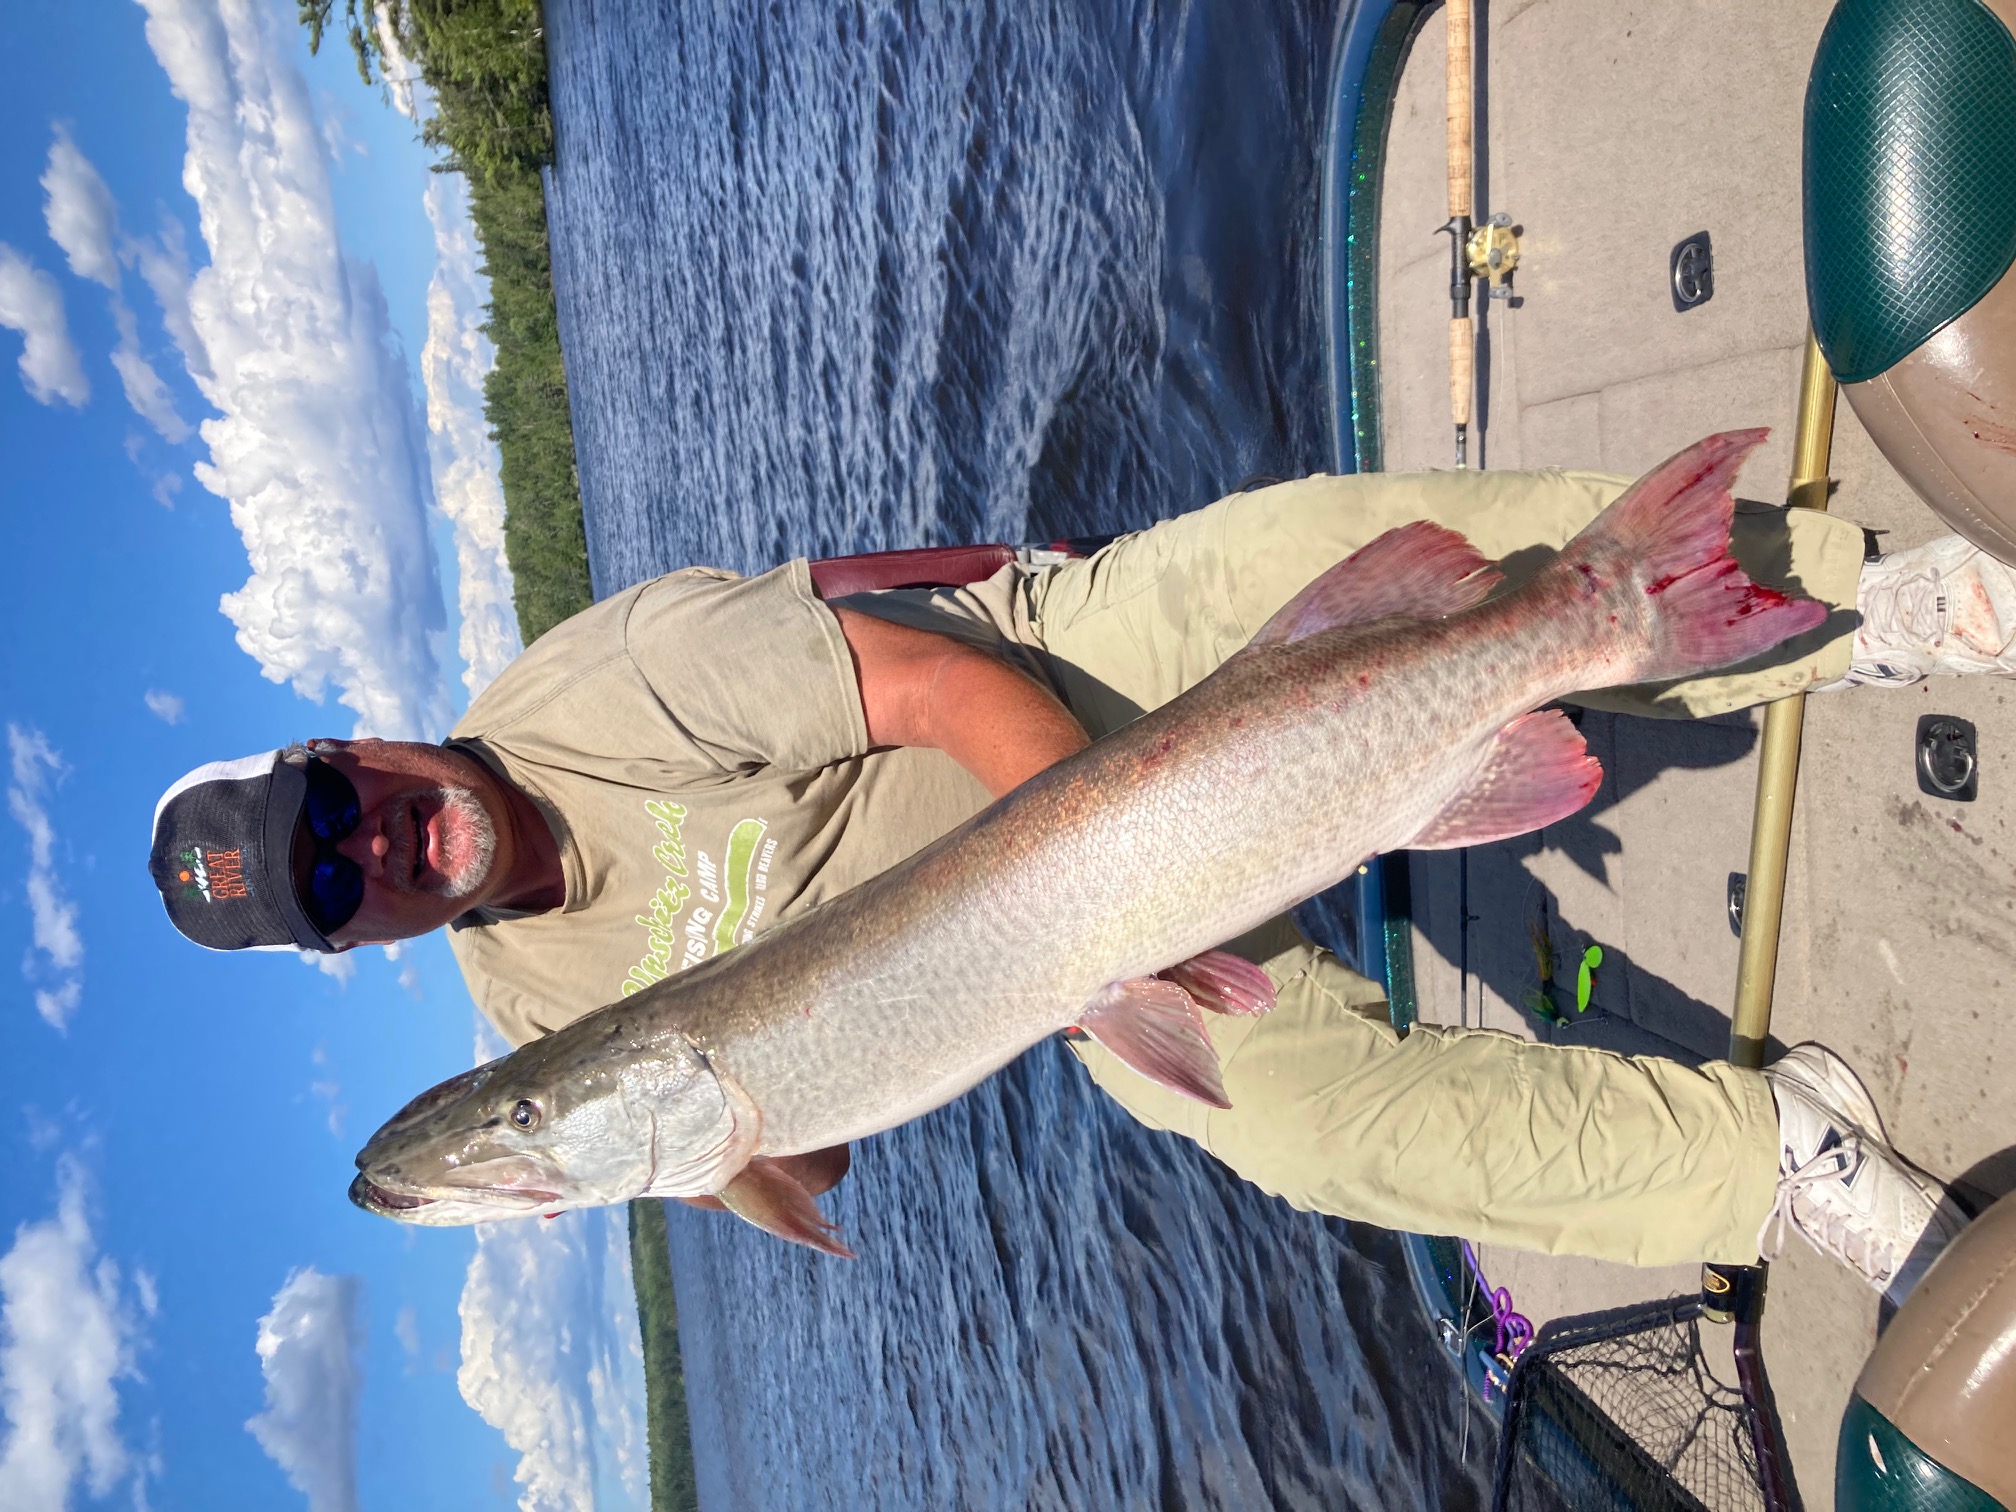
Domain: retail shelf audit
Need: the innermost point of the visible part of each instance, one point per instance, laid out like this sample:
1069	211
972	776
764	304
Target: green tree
667	1429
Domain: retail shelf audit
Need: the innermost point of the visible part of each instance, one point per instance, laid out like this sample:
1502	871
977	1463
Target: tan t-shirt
698	745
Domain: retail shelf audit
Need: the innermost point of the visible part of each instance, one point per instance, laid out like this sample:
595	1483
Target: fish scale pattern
1910	174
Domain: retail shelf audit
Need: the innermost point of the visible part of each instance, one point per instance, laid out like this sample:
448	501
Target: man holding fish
666	777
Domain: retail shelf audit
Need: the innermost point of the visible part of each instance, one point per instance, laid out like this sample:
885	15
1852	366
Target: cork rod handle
1459	108
1459	370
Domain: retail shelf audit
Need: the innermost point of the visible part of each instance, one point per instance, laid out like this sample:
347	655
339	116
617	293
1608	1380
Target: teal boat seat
1910	181
1877	1469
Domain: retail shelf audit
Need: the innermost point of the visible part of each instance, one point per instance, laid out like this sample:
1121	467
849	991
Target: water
841	278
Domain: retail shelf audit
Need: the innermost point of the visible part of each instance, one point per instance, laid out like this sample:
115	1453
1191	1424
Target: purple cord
1514	1329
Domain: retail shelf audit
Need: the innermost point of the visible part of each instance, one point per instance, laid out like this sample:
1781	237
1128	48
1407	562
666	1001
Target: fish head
567	1122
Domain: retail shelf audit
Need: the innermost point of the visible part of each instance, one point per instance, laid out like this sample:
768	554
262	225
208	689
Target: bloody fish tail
1667	539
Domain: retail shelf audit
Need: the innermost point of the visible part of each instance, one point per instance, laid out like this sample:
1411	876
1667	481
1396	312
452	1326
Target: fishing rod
1489	251
1460	119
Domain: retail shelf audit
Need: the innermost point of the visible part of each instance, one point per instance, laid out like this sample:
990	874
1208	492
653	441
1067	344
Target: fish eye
526	1114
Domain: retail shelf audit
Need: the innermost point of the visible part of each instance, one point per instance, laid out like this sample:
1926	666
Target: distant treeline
668	1432
485	62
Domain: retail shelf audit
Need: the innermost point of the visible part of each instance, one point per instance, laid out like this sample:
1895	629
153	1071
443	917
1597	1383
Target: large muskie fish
1389	705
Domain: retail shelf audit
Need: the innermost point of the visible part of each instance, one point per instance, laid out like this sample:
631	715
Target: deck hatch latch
1946	764
1692	270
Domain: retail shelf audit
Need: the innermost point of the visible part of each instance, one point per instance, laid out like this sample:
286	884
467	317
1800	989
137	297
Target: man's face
430	830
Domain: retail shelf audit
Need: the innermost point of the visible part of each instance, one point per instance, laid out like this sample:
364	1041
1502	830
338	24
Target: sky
249	499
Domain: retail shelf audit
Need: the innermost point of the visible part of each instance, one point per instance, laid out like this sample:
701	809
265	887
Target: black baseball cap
223	855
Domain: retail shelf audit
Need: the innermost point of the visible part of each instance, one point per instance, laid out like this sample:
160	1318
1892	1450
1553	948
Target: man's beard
469	837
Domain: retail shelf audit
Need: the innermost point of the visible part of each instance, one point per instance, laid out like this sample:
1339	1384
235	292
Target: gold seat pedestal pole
1778	755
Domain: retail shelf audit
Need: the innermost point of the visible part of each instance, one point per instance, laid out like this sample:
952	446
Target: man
693	759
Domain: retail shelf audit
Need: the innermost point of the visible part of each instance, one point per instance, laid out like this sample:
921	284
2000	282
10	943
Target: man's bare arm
920	689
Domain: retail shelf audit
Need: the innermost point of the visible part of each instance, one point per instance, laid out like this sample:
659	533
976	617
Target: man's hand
920	689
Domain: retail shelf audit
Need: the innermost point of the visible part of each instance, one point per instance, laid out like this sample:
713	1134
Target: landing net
1621	1412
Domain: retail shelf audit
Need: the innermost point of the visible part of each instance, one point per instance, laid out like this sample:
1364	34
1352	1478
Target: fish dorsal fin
1223	983
1538	772
1154	1026
767	1195
1421	570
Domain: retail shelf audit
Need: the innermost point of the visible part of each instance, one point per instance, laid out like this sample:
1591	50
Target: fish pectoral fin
1223	983
1538	772
1155	1028
1420	570
767	1195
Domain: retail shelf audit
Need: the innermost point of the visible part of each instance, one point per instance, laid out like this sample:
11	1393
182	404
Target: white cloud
84	222
551	1358
165	488
467	485
406	1329
58	943
308	1350
31	303
57	1004
164	706
164	268
66	1340
331	1094
402	80
145	390
336	138
79	212
551	1355
318	443
43	1134
341	967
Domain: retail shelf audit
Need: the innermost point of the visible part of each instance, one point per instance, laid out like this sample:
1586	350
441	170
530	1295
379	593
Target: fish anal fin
1154	1026
1421	570
1223	983
1538	772
767	1195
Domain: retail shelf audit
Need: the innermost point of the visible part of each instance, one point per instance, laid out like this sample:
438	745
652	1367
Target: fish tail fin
1664	545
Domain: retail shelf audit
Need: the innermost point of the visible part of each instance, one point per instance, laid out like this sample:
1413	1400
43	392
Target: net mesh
1622	1411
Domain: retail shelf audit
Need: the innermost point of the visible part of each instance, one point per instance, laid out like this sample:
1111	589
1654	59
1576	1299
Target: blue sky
249	500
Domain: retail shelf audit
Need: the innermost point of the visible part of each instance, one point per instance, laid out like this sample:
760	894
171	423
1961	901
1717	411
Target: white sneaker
1944	607
1842	1187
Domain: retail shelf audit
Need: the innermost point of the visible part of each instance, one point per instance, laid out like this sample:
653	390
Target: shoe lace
1910	608
1832	1228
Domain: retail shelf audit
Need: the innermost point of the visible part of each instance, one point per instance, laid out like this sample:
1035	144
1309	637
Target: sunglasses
333	884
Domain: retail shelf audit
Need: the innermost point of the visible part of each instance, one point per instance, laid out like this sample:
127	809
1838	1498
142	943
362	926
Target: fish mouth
367	1194
389	1202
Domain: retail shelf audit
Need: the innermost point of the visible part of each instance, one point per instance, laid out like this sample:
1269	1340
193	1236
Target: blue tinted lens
331	806
335	888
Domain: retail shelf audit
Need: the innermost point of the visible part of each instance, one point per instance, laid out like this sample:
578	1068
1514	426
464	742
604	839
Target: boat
1643	233
1657	200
